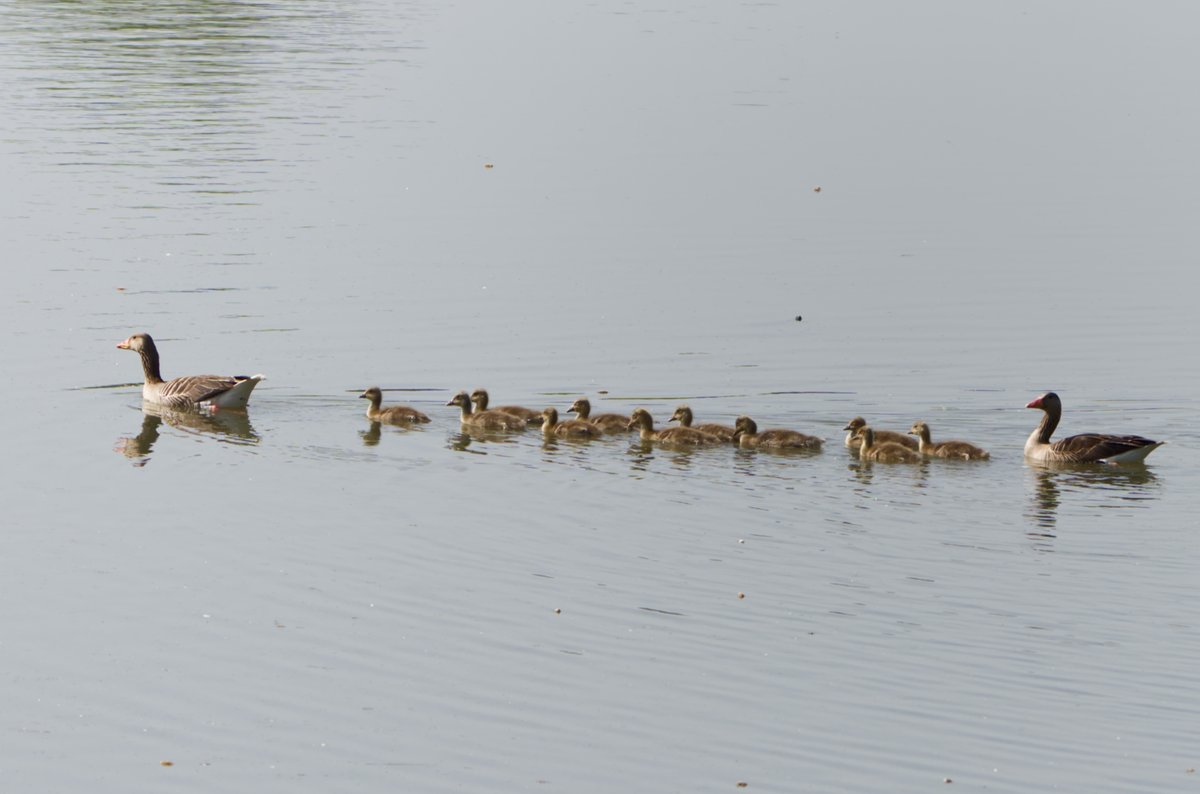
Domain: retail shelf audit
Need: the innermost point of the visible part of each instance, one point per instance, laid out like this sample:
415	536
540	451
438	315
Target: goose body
747	436
480	398
190	391
959	450
883	452
852	441
485	420
571	428
643	422
1083	448
683	414
609	423
393	414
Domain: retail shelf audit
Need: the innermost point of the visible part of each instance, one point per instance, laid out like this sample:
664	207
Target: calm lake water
554	200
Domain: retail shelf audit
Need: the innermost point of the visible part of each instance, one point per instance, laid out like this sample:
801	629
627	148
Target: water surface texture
554	200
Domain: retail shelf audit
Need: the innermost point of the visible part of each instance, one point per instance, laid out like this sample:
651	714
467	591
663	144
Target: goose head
373	394
1048	402
137	343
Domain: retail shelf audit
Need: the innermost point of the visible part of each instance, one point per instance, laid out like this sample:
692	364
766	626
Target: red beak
1035	403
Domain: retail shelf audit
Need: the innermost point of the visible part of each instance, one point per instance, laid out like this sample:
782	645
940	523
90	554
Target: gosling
609	423
958	450
683	415
746	436
480	398
884	452
643	422
852	441
393	414
485	420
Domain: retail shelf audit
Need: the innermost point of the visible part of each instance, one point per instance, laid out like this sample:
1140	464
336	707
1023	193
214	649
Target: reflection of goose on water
189	391
230	426
1083	448
1127	486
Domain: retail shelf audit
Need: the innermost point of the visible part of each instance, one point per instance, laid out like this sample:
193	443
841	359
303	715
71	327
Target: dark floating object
799	318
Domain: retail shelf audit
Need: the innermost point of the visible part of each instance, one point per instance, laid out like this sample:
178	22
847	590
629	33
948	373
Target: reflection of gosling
960	450
609	423
748	437
881	436
572	428
485	420
885	452
393	414
480	398
683	415
643	422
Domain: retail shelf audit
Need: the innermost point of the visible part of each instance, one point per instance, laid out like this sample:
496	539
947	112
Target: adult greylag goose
393	414
571	428
643	422
960	450
683	415
485	420
609	423
852	441
1083	448
191	391
480	398
746	435
883	452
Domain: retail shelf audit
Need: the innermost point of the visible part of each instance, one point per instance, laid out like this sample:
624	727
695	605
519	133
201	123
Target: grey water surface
966	204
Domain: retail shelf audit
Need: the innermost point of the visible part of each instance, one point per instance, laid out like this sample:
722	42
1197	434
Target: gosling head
581	407
919	429
744	426
549	418
640	418
854	424
462	400
683	415
480	399
373	394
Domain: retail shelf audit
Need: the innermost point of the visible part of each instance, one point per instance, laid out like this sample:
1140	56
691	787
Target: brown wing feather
193	389
1092	447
